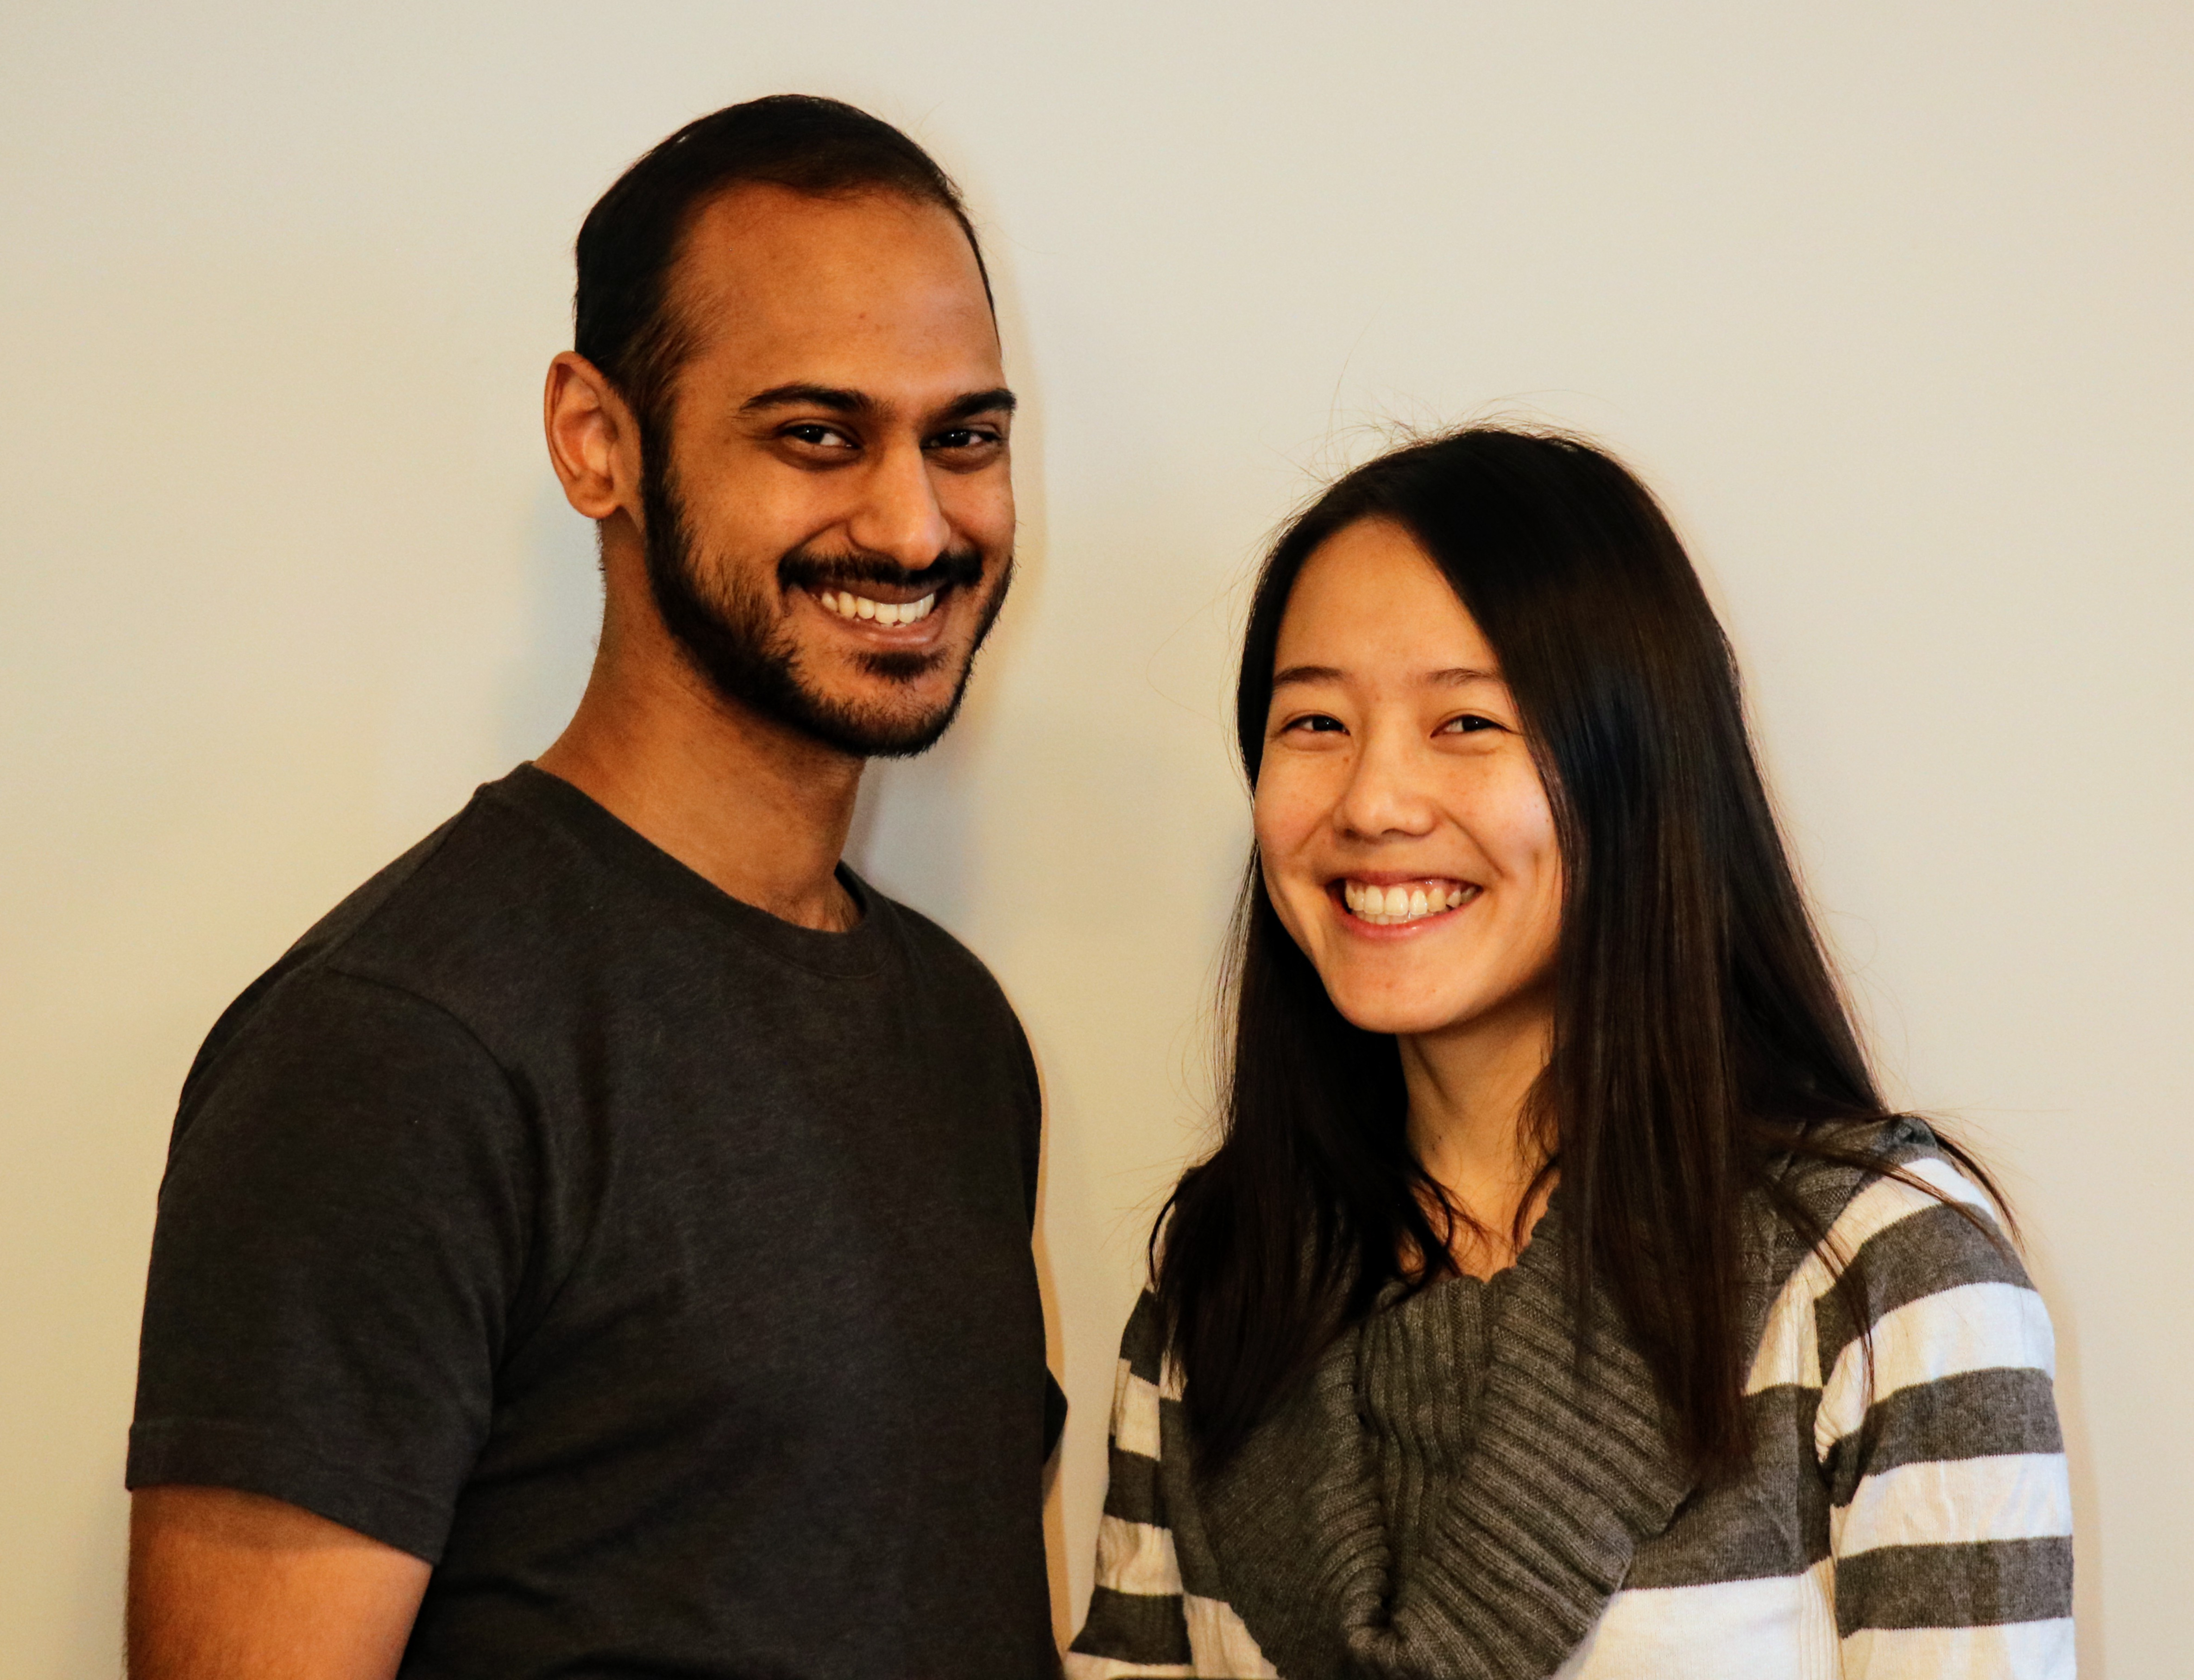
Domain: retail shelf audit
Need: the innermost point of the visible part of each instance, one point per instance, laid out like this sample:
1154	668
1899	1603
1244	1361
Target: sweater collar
1566	1471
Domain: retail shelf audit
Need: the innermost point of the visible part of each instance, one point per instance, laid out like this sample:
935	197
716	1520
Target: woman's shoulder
1876	1179
1912	1265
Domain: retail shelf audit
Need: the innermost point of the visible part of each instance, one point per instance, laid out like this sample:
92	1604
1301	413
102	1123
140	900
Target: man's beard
731	635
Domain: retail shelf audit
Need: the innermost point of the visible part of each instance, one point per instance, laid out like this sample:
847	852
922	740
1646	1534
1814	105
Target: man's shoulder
498	878
941	956
966	1009
472	911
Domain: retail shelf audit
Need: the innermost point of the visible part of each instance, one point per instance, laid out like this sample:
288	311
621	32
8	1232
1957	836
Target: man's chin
898	731
876	737
865	717
873	702
903	669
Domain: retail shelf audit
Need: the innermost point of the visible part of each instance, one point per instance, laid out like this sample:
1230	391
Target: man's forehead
761	216
855	275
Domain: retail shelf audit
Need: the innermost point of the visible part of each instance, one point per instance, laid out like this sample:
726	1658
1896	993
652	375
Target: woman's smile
1384	901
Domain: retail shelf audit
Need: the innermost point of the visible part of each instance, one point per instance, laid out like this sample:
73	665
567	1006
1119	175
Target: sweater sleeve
1137	1624
1950	1526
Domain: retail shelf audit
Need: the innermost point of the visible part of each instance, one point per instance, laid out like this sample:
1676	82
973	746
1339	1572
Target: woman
1561	1295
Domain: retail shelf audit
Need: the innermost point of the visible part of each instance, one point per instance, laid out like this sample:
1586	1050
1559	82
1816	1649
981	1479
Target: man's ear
593	440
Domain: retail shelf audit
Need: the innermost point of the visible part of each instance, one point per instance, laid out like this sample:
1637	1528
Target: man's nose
899	515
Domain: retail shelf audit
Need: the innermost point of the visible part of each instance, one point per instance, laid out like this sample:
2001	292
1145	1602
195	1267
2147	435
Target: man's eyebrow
998	401
835	398
838	399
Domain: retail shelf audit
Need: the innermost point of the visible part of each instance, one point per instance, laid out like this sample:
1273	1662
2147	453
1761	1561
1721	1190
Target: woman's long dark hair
1699	1033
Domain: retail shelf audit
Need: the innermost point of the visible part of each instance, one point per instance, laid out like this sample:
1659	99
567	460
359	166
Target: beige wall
1894	303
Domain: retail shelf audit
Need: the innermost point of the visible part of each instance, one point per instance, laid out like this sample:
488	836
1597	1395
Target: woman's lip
1393	877
1413	900
1357	927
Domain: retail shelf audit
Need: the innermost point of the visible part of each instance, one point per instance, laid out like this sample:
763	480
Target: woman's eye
1468	724
1317	723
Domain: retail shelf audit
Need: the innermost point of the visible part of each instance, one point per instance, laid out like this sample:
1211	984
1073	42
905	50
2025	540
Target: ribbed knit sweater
1450	1496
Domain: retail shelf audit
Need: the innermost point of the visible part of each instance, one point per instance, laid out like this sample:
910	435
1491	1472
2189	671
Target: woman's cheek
1519	823
1279	824
1277	889
1536	862
1287	874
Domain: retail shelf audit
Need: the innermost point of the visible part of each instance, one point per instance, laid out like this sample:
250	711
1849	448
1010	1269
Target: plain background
1891	303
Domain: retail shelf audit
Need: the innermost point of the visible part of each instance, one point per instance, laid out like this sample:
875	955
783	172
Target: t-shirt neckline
851	954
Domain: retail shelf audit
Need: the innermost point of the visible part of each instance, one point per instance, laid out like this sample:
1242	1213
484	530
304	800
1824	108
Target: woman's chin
1403	1019
1493	1003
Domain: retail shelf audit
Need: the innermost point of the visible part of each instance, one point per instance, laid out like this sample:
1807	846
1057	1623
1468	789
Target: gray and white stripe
1906	1513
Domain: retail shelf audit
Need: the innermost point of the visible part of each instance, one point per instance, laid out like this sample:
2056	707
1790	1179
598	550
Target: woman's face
1407	842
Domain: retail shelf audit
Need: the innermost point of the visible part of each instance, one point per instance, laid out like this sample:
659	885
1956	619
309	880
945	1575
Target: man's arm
224	1585
343	1218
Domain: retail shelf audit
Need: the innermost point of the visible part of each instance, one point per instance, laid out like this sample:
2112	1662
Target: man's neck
756	808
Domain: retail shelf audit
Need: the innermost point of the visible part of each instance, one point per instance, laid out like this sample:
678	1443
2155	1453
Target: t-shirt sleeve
1031	1115
1032	1141
342	1230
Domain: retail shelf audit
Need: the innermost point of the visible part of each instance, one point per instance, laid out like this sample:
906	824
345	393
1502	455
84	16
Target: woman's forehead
1370	602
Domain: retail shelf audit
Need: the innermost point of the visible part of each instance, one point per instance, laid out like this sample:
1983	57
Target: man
601	1245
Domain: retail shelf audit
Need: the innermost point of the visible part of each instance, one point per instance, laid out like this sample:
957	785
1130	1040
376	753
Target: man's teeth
847	605
1385	906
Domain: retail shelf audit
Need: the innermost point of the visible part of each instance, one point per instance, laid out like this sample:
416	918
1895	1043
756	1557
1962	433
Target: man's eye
964	437
819	436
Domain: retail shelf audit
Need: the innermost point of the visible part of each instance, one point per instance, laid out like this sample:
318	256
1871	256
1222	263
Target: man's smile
883	613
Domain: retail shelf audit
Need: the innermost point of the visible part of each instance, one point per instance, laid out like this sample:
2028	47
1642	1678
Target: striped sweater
1905	1514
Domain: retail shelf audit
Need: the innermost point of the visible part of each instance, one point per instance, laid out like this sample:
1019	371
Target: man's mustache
800	570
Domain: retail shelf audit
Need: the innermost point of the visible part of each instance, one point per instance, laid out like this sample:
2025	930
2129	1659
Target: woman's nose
1385	795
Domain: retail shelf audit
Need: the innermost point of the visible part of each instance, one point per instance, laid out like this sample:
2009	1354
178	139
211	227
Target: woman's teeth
1385	906
847	605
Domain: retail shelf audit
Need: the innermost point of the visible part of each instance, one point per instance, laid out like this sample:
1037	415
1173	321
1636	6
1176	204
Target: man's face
829	531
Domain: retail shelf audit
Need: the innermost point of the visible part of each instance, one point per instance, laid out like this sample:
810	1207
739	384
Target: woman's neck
1470	1126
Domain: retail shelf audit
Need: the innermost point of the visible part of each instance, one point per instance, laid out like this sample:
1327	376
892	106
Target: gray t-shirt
657	1269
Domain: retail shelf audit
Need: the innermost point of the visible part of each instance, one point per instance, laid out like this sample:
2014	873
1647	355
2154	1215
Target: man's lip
926	628
897	595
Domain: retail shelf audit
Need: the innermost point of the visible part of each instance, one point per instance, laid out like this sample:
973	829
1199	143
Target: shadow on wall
560	619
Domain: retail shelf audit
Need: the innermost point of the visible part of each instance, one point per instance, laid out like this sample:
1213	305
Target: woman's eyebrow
1454	677
1281	679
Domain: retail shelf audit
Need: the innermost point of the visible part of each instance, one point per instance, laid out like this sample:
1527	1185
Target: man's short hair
622	319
